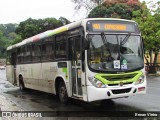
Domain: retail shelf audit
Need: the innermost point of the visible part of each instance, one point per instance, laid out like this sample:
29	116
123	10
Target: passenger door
76	67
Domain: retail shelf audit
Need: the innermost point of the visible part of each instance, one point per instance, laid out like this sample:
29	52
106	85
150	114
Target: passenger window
8	60
48	49
27	53
19	55
36	52
61	47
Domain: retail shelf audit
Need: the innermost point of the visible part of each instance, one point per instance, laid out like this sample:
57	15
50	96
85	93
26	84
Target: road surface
31	100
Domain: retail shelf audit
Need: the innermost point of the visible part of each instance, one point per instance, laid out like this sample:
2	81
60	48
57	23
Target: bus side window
27	53
61	47
48	49
8	60
19	55
36	52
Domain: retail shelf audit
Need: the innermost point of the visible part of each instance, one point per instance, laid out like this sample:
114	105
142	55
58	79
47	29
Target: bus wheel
21	83
62	92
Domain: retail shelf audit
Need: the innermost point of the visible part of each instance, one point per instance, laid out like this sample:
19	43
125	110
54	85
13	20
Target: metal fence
152	66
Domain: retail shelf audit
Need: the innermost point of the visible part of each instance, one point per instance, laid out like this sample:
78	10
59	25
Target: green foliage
148	20
8	30
99	11
4	43
13	33
7	34
17	39
149	23
31	27
115	9
64	21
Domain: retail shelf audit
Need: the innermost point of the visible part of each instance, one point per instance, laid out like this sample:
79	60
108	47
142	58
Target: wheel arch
58	80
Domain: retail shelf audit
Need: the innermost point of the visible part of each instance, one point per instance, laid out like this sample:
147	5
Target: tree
12	35
7	35
8	30
31	27
87	4
17	40
28	28
4	43
116	9
64	21
149	23
49	24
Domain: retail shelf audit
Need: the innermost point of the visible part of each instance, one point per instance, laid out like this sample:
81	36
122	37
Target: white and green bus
92	59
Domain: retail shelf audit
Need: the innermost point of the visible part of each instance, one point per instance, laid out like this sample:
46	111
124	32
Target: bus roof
59	30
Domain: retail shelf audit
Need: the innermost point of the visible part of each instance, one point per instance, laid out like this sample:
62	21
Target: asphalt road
31	100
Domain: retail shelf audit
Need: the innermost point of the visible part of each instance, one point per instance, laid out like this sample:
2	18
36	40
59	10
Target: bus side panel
32	76
19	71
62	70
26	71
48	74
50	71
37	76
9	73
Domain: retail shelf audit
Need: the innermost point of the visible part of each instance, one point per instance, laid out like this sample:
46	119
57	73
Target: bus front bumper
95	94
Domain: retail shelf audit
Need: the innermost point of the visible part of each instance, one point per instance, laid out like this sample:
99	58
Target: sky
16	11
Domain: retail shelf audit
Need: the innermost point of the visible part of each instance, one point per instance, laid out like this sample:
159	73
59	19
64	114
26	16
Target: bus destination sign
119	27
112	27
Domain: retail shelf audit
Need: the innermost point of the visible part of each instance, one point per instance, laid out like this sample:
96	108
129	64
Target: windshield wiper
105	42
125	39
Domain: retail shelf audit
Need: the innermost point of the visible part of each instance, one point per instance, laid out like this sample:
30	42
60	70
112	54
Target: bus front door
13	59
75	55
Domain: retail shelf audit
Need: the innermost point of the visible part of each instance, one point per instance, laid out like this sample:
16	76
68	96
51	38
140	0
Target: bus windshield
115	52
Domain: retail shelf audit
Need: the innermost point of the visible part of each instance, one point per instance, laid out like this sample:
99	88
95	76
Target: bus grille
118	84
119	77
121	91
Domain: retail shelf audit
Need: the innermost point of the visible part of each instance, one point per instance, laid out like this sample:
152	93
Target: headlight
140	80
97	83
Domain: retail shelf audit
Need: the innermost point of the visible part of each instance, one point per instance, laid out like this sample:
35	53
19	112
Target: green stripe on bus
103	77
66	72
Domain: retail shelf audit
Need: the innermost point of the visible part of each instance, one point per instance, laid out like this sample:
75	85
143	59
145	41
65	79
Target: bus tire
21	83
62	92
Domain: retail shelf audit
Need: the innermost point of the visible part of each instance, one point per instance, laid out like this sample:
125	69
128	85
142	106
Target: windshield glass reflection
115	52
